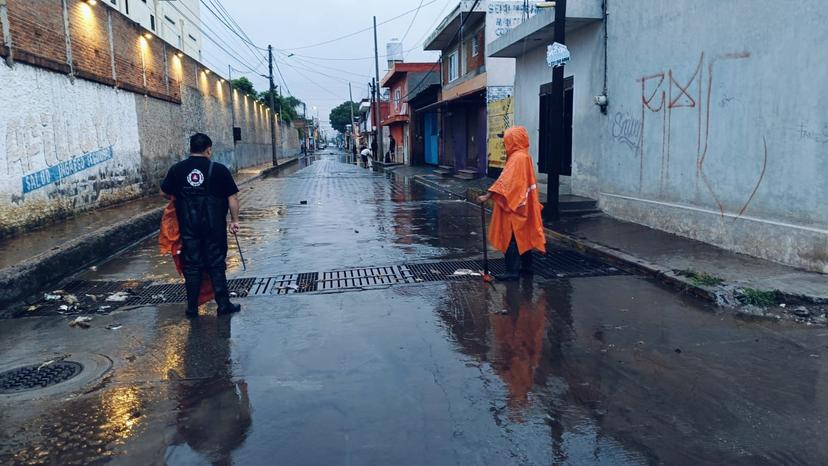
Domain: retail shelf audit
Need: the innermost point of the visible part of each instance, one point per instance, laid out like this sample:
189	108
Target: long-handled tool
486	276
238	246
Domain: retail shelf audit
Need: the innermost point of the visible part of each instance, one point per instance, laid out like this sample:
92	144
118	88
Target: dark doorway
561	151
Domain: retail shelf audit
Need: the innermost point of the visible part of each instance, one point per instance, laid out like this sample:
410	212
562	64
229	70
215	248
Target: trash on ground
46	364
114	326
70	299
104	308
81	321
466	272
303	202
93	297
159	296
32	308
63	307
51	297
233	294
118	297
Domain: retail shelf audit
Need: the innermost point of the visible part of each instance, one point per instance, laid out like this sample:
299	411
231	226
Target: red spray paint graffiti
666	93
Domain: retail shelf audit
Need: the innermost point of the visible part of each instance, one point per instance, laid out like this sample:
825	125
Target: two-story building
475	100
406	80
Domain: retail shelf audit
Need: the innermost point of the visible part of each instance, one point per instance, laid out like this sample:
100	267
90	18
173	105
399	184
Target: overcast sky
319	74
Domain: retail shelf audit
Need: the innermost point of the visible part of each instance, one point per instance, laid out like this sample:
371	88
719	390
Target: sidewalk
705	270
47	255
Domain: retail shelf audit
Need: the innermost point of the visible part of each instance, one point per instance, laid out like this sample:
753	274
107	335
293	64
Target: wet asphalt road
602	370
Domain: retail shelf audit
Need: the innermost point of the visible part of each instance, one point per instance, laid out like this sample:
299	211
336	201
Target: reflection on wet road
605	370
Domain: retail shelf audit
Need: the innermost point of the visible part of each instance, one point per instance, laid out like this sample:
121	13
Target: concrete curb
24	280
629	262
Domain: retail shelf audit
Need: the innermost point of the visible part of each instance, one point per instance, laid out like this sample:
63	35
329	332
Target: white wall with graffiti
716	133
64	146
712	132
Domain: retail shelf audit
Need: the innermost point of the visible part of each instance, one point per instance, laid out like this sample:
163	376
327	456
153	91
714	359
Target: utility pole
351	105
551	211
375	117
376	90
273	152
232	104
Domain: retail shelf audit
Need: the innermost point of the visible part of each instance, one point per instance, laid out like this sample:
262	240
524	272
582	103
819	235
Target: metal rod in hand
238	246
485	246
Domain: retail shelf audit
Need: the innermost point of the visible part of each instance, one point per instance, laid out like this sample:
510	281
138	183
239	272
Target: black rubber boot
527	262
513	262
192	283
222	293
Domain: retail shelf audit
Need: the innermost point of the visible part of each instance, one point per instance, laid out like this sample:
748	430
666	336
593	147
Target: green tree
285	104
341	116
244	85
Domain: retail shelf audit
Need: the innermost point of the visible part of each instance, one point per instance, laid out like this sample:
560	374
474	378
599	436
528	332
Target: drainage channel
102	296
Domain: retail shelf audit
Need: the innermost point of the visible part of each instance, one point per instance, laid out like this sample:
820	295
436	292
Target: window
169	20
453	66
475	46
191	37
126	5
152	22
114	2
397	99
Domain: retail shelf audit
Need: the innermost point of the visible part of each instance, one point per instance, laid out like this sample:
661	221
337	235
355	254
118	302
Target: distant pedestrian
354	152
203	192
392	150
304	149
516	226
366	157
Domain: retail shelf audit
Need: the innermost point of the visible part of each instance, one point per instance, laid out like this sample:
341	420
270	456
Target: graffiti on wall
626	130
667	95
500	117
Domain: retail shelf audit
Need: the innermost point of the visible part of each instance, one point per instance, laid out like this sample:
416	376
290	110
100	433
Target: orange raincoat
170	242
517	208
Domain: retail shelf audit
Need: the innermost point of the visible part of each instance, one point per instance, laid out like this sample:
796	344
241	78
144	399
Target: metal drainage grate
36	376
283	284
176	293
441	271
364	277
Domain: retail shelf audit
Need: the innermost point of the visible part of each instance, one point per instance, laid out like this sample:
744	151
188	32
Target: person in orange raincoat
516	226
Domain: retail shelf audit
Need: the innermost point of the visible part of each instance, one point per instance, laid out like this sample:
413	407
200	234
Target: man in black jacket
204	191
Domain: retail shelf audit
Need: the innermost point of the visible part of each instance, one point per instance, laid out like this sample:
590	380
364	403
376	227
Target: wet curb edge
626	261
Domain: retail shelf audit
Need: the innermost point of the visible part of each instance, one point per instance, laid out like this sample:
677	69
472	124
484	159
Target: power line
219	45
284	83
361	30
412	21
309	79
456	35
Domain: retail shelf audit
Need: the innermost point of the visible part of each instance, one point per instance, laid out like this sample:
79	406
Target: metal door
430	139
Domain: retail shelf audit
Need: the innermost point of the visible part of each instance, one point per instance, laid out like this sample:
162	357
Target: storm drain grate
160	293
97	296
440	271
37	376
364	278
283	284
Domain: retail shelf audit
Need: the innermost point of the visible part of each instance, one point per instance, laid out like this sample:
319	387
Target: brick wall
89	31
37	31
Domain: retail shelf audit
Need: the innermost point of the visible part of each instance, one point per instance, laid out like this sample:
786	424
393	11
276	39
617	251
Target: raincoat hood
515	139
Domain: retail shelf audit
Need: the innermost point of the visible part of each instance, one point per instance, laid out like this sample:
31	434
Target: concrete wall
732	144
586	69
64	147
102	124
716	130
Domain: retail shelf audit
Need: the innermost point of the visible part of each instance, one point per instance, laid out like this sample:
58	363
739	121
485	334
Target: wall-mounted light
206	71
147	36
91	2
179	54
221	81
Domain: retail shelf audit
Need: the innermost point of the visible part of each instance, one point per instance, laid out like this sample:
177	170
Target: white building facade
177	22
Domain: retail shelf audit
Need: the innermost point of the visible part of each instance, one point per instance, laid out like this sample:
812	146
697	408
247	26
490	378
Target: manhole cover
36	376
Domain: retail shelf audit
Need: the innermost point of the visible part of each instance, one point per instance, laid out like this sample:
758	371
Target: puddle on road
351	217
